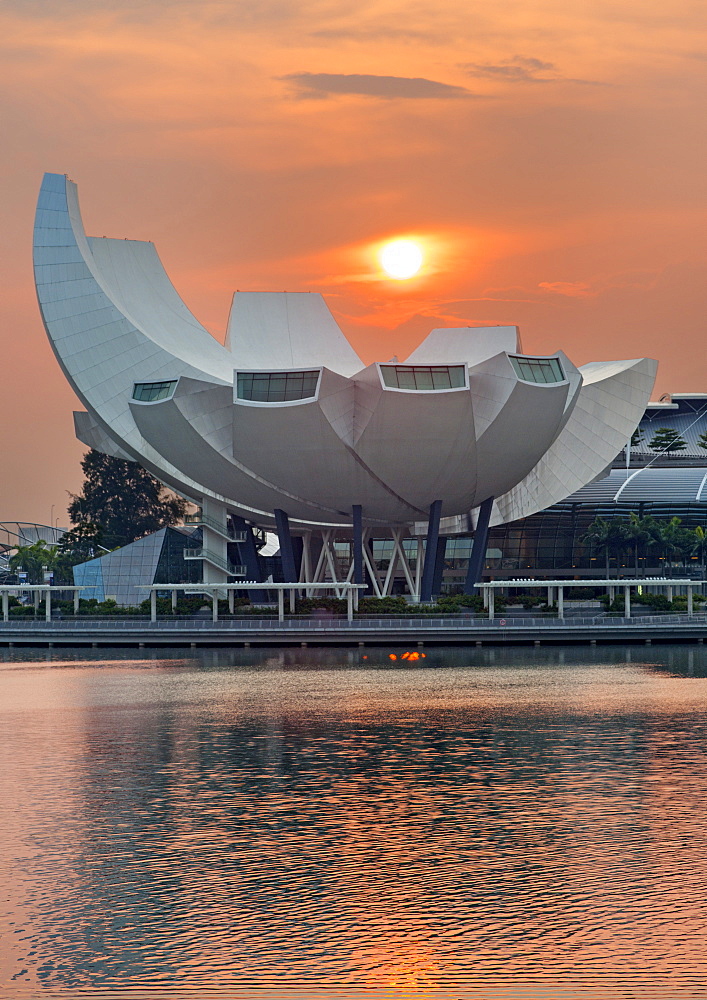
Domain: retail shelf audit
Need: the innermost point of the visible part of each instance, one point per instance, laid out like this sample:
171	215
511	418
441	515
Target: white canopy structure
284	425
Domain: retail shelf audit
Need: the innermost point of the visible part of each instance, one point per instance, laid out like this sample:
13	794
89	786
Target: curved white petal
609	406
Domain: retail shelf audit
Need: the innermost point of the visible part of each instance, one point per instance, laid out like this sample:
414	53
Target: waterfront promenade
339	631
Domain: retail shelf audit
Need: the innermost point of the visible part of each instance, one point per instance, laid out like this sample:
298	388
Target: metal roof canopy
38	589
654	582
215	589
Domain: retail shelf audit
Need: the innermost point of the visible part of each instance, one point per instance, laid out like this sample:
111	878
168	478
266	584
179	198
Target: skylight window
152	392
423	378
540	370
276	387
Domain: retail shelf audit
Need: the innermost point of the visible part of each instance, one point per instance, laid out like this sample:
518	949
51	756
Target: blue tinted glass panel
151	392
276	387
539	370
423	378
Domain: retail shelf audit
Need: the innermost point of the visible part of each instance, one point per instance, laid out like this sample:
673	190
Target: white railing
227	532
233	569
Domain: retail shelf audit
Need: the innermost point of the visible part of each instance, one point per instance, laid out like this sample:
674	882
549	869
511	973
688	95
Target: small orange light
365	657
392	656
405	656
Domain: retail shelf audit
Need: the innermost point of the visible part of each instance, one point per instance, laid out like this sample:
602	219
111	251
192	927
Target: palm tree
637	531
677	541
34	560
700	545
606	535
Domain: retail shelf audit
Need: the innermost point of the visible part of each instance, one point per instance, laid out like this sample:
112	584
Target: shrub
382	606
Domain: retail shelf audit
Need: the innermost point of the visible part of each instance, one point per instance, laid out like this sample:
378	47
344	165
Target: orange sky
551	156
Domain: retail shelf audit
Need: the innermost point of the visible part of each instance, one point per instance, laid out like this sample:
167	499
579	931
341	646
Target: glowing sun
401	259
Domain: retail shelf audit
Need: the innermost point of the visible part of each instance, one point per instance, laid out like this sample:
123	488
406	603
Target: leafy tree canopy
667	440
122	500
33	560
702	440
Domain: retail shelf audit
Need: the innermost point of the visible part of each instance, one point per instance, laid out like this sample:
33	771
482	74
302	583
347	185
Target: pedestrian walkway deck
331	631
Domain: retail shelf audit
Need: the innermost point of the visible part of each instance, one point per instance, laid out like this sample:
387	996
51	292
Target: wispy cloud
523	69
321	85
519	69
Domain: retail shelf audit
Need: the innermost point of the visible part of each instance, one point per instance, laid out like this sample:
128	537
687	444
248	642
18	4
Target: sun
401	259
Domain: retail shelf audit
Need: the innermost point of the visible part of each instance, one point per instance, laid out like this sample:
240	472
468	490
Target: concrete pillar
428	572
214	605
48	604
627	602
478	552
174	600
5	606
689	601
35	594
550	595
153	605
77	598
349	604
292	600
670	593
491	602
231	601
214	540
280	605
560	602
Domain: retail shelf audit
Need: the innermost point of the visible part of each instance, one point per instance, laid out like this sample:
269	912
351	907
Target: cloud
369	85
572	289
519	69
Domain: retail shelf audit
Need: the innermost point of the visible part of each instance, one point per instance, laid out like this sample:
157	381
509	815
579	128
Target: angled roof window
153	392
539	370
424	378
277	387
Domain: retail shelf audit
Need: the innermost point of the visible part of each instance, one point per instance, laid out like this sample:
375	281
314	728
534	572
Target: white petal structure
286	417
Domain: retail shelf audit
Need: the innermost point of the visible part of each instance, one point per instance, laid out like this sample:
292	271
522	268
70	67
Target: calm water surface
485	822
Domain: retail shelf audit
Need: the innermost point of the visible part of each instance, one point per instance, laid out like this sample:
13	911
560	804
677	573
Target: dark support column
428	571
439	565
248	555
357	544
287	554
478	551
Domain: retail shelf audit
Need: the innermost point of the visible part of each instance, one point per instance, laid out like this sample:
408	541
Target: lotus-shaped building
284	425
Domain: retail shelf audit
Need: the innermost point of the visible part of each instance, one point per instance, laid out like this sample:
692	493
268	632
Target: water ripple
491	823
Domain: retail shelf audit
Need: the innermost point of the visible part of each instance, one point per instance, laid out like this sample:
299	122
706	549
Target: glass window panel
151	392
423	379
276	387
406	379
539	370
441	380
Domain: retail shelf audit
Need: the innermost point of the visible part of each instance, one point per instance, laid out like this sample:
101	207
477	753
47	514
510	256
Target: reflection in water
484	818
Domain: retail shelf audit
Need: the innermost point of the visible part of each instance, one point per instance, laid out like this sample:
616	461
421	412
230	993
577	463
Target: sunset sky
549	157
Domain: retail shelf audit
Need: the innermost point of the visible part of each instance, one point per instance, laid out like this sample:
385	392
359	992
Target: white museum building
284	428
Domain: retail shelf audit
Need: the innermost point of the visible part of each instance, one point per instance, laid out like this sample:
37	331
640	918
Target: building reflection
418	827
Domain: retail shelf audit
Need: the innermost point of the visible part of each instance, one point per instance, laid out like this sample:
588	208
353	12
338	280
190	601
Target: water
483	822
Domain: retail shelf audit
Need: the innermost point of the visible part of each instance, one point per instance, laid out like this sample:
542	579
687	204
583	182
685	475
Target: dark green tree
636	437
611	535
677	541
702	441
667	440
123	500
33	560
